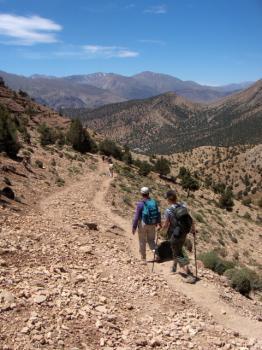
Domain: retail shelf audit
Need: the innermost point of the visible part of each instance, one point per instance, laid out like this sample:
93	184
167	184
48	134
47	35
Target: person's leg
151	236
176	249
183	260
142	241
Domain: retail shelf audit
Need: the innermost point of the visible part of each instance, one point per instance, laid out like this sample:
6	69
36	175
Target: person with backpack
178	223
147	218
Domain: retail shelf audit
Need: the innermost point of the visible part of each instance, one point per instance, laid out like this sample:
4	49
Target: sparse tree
162	166
8	134
79	138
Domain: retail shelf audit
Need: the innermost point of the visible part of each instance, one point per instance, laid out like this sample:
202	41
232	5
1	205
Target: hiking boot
190	279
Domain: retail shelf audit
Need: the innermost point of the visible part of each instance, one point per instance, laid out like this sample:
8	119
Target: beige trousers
146	234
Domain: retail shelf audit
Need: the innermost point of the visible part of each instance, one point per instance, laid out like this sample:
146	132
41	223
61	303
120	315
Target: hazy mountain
169	123
98	89
126	87
60	93
162	83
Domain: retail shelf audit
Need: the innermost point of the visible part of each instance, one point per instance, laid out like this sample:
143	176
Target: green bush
219	187
110	148
212	261
226	200
8	134
190	183
162	166
144	168
47	135
183	172
239	280
79	138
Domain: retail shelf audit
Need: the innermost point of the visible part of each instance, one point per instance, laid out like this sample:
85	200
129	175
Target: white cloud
98	51
28	30
157	10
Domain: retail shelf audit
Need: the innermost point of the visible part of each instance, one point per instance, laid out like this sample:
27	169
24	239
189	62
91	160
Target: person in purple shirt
146	230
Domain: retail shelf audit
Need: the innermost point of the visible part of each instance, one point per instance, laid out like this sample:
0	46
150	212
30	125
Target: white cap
144	190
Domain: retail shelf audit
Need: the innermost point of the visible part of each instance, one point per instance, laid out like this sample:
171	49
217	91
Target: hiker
178	224
111	167
147	218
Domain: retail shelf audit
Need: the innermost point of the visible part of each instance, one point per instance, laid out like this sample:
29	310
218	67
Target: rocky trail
70	278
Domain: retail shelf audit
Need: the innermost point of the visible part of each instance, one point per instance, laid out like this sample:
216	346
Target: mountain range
98	89
170	123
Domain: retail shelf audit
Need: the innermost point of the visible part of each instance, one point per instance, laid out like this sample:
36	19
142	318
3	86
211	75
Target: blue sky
208	41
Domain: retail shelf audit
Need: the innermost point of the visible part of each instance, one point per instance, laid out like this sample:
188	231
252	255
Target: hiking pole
155	251
195	255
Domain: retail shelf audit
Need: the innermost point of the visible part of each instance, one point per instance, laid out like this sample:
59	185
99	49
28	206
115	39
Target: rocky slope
72	291
169	123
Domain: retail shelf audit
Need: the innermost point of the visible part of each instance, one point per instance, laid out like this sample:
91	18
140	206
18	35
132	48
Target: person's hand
133	232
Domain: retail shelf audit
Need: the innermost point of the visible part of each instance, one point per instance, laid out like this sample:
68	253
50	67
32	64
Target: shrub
189	183
212	261
60	182
110	148
144	168
199	218
39	164
79	138
47	135
226	200
209	259
162	166
183	172
219	187
239	280
127	200
247	201
8	134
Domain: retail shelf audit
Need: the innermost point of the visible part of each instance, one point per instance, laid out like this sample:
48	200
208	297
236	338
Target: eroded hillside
169	123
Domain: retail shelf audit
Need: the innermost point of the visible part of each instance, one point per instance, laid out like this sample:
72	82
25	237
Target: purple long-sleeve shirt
138	214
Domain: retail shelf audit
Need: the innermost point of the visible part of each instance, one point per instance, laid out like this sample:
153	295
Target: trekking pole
155	251
195	255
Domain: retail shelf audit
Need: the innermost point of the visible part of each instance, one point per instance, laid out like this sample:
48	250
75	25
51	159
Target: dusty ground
66	285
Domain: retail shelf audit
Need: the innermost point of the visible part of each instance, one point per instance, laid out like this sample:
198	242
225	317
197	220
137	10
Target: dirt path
204	294
66	285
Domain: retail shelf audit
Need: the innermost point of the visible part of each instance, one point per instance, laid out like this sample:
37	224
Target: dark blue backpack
150	213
